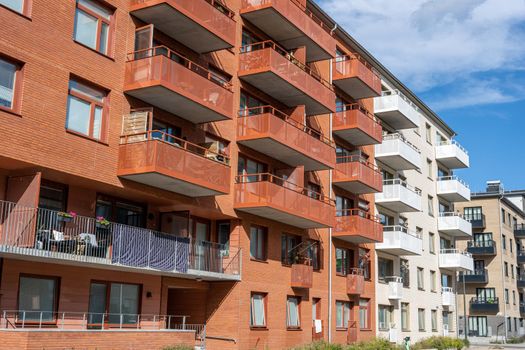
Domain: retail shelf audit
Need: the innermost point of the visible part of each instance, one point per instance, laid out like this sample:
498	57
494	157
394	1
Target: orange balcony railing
302	276
357	226
272	132
357	125
160	160
202	25
292	24
357	175
355	282
276	72
356	77
165	79
274	198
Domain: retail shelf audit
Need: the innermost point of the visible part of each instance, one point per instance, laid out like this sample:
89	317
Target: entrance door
477	326
113	305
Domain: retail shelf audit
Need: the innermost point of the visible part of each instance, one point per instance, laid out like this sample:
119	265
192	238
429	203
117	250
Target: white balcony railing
67	237
398	153
396	110
454	224
453	189
399	196
447	296
452	155
400	241
395	287
454	259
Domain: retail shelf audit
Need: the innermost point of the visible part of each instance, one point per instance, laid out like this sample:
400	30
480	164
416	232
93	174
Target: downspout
332	33
330	231
502	268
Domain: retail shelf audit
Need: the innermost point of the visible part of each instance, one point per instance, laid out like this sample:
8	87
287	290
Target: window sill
341	329
93	50
261	328
10	111
16	12
259	260
365	329
291	329
76	133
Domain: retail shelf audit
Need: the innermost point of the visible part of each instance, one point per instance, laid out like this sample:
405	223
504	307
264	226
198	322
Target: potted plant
66	217
101	222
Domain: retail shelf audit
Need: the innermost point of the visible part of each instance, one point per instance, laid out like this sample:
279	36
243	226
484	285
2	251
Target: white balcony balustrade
454	224
398	153
453	189
399	241
395	287
452	155
396	110
400	197
457	260
447	296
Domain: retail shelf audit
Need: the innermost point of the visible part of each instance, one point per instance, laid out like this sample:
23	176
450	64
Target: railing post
138	321
149	248
169	321
103	321
40	321
121	320
5	318
183	322
63	316
23	319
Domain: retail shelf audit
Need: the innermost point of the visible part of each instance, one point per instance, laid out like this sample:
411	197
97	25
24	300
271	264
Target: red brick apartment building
184	172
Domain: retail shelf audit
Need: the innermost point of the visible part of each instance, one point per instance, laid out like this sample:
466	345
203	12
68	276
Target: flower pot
101	225
65	218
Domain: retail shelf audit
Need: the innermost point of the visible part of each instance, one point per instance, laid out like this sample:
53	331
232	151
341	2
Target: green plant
178	347
375	344
440	343
319	346
515	340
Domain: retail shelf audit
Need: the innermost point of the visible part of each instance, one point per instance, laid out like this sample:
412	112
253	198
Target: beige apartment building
417	262
493	292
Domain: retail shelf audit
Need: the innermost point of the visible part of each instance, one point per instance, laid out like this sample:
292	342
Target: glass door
123	304
97	305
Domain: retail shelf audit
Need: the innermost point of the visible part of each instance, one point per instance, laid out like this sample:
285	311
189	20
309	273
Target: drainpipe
330	233
502	268
332	33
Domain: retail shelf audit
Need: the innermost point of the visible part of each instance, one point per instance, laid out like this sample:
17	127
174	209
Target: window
429	133
512	271
364	262
258	310
433	320
250	167
447	320
506	296
343	205
313	190
420	279
430	168
314	254
431	243
37	298
20	6
86	110
486	294
421	319
385	268
258	240
405	317
385	316
404	272
293	317
477	326
343	259
289	246
509	324
316	309
503	242
342	309
223	236
502	215
506	265
510	244
513	297
120	301
432	281
430	206
10	79
473	213
93	25
364	314
121	211
53	196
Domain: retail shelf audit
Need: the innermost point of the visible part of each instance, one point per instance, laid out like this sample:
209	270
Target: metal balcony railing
63	236
453	142
400	94
453	178
398	136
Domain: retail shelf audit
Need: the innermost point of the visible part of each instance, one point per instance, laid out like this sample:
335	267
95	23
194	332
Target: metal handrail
152	135
399	136
451	213
455	251
484	300
481	244
279	181
163	50
362	109
453	178
217	4
399	228
454	143
358	159
402	183
400	94
394	279
269	44
253	111
356	56
358	212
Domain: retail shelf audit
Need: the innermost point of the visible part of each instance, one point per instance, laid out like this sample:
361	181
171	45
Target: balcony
398	153
447	296
452	189
454	259
452	155
278	74
201	25
400	197
357	126
66	238
398	241
355	174
478	221
172	164
484	305
274	198
396	110
478	276
357	226
519	231
292	25
302	276
521	281
454	225
395	287
355	282
521	256
481	247
271	132
165	79
356	77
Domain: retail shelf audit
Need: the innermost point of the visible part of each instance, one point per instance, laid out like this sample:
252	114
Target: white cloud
431	43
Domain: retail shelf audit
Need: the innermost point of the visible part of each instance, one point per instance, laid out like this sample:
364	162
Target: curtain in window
292	310
257	310
36	299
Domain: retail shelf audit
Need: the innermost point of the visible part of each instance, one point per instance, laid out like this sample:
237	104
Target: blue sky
466	60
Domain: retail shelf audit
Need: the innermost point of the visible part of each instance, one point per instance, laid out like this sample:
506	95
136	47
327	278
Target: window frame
421	320
433	320
100	20
298	299
16	102
406	307
287	260
264	230
27	6
265	310
56	297
367	312
345	306
92	107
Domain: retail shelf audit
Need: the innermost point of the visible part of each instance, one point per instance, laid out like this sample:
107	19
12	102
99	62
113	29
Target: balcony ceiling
274	214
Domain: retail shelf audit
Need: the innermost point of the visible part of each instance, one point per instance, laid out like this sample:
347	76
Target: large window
119	300
405	317
247	166
404	271
385	316
93	25
420	278
223	236
293	316
477	326
364	313
473	213
314	254
258	310
9	79
86	110
421	319
342	309
385	268
343	260
53	196
258	241
433	320
121	211
37	298
364	262
289	248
